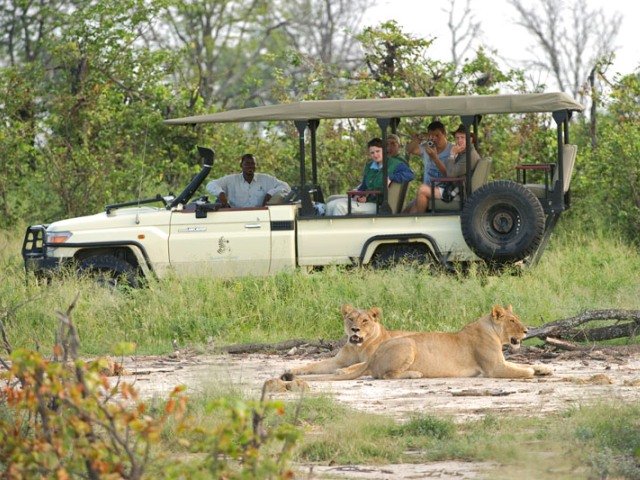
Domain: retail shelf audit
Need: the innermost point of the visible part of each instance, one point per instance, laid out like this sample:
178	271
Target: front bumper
34	253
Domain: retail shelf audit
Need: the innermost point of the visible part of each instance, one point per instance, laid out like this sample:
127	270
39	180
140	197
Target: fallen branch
280	346
626	324
562	344
485	392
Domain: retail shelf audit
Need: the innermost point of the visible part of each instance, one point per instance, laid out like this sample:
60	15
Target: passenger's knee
424	190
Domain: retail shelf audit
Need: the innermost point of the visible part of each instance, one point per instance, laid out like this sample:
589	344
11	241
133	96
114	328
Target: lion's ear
346	309
376	312
497	311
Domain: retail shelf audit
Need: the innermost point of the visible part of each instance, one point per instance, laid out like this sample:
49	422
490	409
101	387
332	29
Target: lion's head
508	326
360	325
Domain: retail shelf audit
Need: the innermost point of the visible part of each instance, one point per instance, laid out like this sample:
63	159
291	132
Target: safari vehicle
500	222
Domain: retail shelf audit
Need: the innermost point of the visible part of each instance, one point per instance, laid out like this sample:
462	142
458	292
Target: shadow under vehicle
499	222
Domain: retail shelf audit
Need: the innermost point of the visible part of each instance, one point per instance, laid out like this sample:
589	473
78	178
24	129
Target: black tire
503	222
109	270
391	254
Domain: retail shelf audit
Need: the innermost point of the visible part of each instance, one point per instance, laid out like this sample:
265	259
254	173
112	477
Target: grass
599	441
578	272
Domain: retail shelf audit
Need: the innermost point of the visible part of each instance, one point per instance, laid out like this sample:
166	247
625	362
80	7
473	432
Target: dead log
629	329
574	328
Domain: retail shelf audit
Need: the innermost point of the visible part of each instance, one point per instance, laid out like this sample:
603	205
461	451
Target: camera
429	143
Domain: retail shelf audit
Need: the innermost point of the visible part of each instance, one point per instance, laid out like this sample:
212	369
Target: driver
248	189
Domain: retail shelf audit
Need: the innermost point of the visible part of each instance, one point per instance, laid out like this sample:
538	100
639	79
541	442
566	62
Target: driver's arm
217	189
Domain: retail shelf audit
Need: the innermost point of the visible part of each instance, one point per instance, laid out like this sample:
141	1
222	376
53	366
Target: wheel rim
502	222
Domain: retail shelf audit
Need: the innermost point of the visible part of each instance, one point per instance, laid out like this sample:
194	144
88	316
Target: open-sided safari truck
500	222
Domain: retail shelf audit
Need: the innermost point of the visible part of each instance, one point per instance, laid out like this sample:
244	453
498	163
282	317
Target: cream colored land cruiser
499	222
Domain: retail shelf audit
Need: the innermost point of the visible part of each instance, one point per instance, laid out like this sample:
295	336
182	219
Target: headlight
57	237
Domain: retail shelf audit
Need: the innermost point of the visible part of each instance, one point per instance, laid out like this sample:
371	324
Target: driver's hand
222	200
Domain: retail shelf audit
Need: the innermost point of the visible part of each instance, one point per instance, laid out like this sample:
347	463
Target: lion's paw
542	370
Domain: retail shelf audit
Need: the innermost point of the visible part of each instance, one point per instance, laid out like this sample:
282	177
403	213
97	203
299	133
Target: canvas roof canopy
393	108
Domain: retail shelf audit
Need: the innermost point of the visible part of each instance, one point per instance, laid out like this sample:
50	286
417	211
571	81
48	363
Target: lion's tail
334	377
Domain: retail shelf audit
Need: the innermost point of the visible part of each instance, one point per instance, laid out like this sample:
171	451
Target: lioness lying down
364	333
473	351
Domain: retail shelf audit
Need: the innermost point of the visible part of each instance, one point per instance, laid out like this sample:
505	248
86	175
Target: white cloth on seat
340	206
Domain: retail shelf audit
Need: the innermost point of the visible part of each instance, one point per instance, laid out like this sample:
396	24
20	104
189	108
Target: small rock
293	351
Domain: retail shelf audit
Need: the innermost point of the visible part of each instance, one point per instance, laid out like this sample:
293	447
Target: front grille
33	245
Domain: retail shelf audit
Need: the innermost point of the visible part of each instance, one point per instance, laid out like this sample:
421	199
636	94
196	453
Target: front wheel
109	270
503	222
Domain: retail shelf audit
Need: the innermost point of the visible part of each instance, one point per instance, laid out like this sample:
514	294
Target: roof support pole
301	126
467	121
313	126
561	118
384	123
394	125
305	196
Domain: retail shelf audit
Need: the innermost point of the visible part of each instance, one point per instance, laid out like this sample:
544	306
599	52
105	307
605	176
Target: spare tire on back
503	222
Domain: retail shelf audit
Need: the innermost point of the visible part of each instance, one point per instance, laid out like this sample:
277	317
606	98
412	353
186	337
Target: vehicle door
225	243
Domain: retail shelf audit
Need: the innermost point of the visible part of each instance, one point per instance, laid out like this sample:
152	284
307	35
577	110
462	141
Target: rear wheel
388	255
109	270
503	222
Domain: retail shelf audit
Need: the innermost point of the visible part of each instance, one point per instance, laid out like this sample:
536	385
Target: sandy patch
579	378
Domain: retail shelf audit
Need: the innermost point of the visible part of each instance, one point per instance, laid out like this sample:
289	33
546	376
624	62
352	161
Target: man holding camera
435	150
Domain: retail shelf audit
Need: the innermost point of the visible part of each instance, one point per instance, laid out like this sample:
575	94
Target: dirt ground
580	377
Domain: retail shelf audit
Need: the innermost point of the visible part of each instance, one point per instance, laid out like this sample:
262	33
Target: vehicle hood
124	217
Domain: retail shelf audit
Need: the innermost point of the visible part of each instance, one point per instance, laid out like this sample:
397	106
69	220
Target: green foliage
65	419
238	445
61	420
607	182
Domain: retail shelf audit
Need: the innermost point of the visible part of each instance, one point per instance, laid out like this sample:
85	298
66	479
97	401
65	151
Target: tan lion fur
473	351
364	333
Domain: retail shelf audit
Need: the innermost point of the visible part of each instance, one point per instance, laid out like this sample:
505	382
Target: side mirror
207	155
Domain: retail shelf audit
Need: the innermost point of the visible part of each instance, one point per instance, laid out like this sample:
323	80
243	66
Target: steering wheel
293	196
201	199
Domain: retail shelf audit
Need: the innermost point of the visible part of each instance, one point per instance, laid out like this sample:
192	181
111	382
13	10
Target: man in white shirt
248	189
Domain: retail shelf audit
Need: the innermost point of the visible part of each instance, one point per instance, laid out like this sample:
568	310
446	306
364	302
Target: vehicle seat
397	195
569	153
479	177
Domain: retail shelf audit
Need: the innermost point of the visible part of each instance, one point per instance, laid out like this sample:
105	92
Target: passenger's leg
422	199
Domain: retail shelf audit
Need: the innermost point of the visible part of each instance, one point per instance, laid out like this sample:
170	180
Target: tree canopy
86	84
